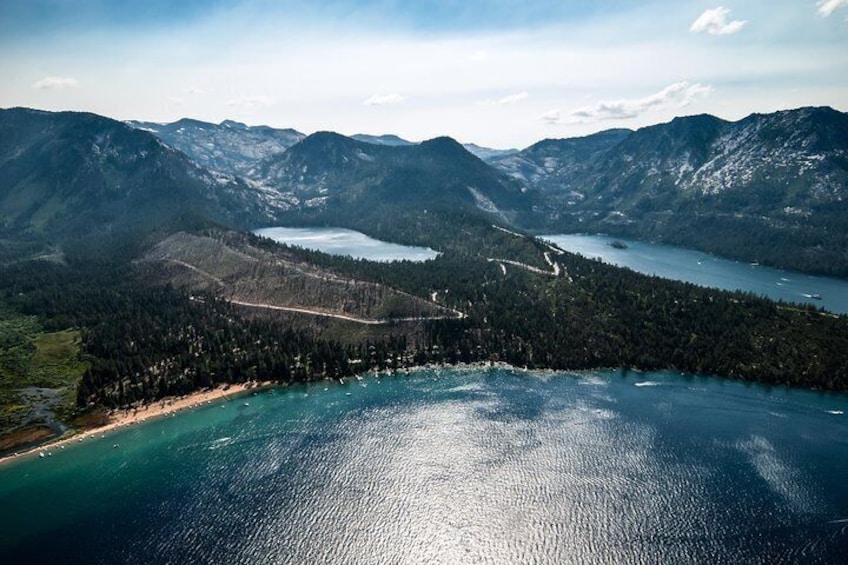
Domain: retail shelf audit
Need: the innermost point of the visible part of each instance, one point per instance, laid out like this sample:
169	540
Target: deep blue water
340	241
452	466
699	268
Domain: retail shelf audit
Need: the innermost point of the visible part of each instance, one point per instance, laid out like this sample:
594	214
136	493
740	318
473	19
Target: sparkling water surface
465	465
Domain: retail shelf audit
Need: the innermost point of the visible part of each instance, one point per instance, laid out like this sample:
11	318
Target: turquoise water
708	270
452	466
340	241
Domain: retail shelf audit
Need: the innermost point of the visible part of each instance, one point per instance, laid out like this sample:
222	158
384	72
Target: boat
813	296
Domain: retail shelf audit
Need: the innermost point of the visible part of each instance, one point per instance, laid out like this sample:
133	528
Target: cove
340	241
452	465
702	269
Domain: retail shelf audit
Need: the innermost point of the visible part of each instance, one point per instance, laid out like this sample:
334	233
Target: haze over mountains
770	187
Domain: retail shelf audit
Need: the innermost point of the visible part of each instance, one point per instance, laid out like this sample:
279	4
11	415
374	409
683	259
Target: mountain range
770	187
229	147
68	176
356	183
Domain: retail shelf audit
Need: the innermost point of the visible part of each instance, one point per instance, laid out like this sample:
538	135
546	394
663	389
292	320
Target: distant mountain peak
233	124
444	144
325	135
229	147
384	139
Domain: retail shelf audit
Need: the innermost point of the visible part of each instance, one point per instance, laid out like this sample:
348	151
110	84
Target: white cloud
551	118
827	7
678	95
567	65
54	83
715	22
506	100
383	99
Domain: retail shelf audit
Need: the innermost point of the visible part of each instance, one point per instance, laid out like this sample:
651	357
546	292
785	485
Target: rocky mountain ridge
331	174
230	147
769	187
791	156
71	175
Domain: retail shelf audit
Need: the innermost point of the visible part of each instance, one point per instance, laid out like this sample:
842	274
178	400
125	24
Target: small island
617	244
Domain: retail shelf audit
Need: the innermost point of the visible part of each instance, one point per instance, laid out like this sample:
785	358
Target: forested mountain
66	176
484	153
230	147
789	158
336	179
559	167
770	187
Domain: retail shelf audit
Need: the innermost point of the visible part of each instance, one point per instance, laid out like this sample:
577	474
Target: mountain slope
794	157
558	166
230	147
339	179
484	153
386	139
488	154
770	187
69	175
236	268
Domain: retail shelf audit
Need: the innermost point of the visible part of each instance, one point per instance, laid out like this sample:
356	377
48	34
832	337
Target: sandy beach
123	418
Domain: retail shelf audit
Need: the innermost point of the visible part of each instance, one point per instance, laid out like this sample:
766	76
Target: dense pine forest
142	341
594	315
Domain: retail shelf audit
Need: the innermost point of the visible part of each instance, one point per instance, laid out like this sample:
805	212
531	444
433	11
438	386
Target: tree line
144	342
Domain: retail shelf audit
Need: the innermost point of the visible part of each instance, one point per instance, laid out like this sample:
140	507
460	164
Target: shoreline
120	419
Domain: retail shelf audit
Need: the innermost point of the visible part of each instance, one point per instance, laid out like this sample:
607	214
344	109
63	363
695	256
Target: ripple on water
485	466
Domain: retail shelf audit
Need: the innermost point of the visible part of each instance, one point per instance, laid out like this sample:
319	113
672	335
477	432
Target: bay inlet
703	269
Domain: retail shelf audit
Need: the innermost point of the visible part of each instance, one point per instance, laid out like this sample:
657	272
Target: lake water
340	241
708	270
452	466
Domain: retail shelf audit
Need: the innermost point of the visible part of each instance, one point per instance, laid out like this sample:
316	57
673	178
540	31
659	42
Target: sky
499	73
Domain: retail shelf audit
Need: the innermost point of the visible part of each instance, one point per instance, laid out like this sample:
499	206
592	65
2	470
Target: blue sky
501	73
